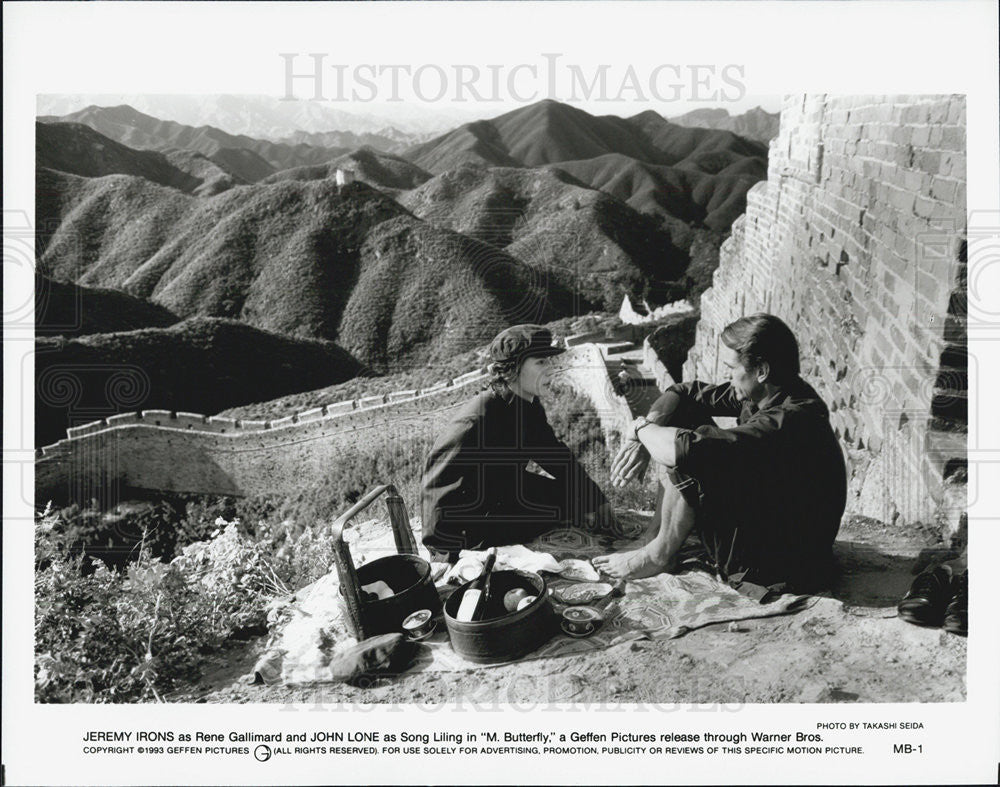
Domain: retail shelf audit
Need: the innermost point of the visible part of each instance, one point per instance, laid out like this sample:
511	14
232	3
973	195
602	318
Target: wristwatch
638	423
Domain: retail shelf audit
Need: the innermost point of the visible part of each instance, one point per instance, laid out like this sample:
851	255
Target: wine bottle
473	604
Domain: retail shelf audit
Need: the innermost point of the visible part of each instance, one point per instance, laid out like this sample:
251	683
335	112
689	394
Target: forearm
664	407
660	441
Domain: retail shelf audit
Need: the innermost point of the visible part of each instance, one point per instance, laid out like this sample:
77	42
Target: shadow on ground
878	563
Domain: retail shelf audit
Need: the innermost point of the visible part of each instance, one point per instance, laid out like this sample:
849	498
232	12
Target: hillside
542	133
695	175
549	132
299	258
686	193
90	228
214	176
677	143
756	124
199	365
65	309
137	130
590	242
381	170
78	149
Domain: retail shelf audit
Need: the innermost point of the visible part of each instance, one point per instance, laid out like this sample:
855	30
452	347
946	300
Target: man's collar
772	399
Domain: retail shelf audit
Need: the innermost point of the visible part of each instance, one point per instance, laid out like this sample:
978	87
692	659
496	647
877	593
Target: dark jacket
475	489
778	476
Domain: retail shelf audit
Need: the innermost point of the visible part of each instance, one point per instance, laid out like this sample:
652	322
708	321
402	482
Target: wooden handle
350	588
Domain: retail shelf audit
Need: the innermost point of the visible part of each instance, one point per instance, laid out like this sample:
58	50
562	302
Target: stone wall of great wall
188	452
856	239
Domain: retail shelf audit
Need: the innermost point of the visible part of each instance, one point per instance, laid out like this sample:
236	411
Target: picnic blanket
309	629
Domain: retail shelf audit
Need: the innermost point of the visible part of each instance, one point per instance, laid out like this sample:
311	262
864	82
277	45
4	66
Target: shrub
115	536
116	635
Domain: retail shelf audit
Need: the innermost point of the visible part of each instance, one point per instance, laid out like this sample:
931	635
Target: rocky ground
848	647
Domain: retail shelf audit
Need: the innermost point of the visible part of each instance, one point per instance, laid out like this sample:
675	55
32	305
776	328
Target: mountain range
693	174
267	117
257	157
424	254
300	258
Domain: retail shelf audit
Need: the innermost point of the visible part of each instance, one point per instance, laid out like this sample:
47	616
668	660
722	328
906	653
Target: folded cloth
514	556
579	570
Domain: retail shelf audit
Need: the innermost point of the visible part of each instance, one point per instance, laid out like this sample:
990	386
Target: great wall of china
189	452
856	239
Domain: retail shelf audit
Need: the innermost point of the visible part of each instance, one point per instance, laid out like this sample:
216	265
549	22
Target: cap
523	341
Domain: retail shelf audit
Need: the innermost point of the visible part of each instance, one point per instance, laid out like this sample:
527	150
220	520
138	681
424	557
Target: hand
630	463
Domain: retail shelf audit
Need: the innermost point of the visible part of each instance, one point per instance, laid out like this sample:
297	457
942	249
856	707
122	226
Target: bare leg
675	518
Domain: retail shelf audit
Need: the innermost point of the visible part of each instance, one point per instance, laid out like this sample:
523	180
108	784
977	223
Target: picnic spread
544	599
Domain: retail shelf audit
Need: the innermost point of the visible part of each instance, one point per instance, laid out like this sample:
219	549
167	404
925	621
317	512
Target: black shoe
927	599
956	616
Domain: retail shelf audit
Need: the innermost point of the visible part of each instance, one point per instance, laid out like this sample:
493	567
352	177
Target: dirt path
848	648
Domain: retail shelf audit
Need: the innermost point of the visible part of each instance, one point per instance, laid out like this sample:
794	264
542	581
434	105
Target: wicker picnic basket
408	574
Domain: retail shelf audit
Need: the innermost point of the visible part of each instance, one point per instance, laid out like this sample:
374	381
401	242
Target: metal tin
503	636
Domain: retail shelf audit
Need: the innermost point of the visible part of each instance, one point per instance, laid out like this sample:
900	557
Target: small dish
582	593
577	633
581	621
419	625
428	632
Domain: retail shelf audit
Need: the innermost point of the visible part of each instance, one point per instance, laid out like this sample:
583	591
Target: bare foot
637	564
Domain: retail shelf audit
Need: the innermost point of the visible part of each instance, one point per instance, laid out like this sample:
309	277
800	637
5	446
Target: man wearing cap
476	488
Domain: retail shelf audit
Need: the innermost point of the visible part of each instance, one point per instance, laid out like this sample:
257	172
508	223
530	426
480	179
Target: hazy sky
256	113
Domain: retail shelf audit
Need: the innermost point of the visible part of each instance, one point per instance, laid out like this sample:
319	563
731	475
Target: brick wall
856	240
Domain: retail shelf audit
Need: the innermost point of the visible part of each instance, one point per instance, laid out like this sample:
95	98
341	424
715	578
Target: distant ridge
756	124
549	132
696	175
130	127
386	140
261	116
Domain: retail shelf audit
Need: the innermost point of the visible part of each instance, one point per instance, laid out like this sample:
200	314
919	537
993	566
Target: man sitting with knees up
766	496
